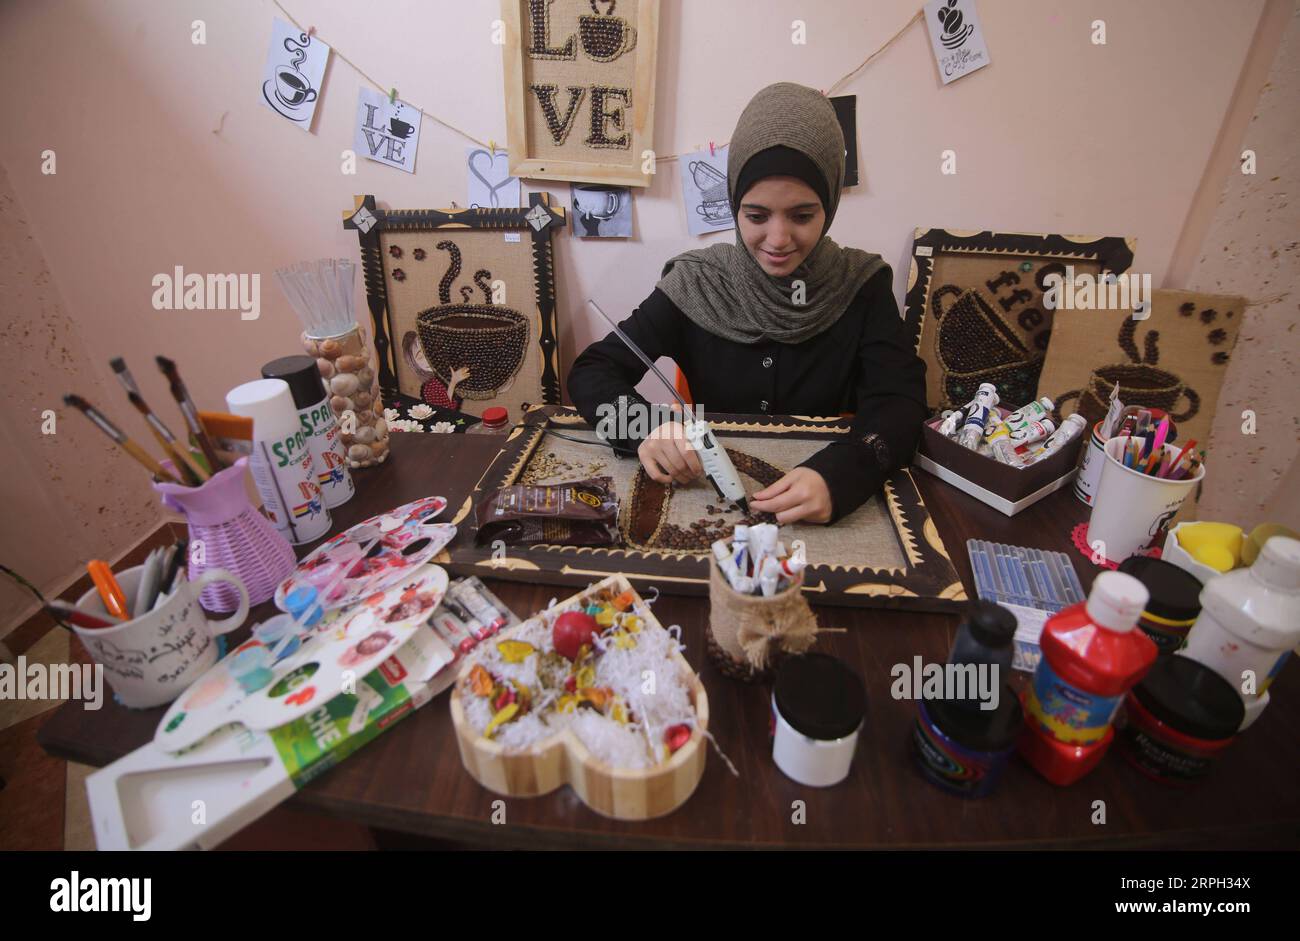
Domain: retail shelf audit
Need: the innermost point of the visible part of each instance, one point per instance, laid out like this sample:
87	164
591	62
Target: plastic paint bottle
318	425
1092	656
1250	621
495	421
985	636
961	751
282	466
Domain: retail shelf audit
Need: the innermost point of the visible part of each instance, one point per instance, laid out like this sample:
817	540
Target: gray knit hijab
722	288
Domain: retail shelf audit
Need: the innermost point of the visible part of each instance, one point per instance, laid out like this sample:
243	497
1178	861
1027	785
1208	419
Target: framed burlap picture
975	305
463	302
886	553
579	86
1175	359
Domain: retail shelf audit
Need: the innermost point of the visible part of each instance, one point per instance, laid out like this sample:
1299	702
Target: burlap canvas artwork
580	88
975	305
685	520
1174	360
450	273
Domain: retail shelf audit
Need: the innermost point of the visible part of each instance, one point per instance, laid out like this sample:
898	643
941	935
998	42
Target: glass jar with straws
321	293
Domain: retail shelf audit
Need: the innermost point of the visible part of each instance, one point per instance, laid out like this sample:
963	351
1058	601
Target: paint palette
409	540
346	645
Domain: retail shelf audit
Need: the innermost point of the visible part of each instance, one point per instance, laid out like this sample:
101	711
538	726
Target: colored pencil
110	592
190	411
120	439
1177	460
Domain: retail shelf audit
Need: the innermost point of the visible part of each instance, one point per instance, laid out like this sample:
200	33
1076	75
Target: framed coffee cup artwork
1173	358
579	85
463	303
975	305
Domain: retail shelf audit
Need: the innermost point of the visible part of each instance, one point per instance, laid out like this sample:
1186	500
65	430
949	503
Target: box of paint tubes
1009	459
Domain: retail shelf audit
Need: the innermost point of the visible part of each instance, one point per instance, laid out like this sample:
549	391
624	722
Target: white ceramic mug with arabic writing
152	658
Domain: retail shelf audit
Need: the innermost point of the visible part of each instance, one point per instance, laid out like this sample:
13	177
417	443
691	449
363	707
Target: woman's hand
668	457
801	494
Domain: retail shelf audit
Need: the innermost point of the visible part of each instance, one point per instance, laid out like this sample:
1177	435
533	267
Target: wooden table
410	779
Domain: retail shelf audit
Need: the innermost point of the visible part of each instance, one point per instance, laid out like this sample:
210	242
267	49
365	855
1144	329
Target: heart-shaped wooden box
621	793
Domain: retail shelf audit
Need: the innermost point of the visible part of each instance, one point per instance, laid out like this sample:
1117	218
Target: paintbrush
121	440
191	469
191	413
124	375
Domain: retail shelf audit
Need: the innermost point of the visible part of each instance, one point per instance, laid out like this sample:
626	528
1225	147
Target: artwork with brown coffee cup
465	299
579	83
975	305
1173	360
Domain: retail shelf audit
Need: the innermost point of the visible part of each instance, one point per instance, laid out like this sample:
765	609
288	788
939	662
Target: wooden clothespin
712	152
311	31
392	95
492	147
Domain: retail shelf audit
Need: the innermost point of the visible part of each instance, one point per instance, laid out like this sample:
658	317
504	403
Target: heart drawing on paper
492	187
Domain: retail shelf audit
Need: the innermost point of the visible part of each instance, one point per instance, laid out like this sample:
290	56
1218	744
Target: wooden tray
624	794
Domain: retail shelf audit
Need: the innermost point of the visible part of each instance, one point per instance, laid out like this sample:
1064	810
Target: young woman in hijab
784	321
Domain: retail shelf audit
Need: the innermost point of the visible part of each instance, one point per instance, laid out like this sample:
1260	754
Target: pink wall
165	158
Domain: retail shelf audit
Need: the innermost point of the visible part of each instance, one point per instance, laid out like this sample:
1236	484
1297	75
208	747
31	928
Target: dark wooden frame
1113	252
929	582
369	221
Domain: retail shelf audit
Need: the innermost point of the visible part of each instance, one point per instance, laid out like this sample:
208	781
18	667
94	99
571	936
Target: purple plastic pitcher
234	536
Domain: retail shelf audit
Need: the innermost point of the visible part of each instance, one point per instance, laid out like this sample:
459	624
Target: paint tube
951	418
1113	414
451	627
1070	429
740	546
1034	411
479	606
769	576
762	543
972	430
727	564
460	611
1032	431
1000	444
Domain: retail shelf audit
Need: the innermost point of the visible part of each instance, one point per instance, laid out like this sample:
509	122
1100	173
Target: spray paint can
324	439
282	466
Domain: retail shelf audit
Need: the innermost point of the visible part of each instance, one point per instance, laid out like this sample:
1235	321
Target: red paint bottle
1092	656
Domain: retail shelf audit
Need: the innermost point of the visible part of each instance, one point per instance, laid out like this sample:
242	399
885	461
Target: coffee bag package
573	513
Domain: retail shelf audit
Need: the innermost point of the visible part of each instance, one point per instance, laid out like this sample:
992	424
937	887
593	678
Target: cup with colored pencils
1142	487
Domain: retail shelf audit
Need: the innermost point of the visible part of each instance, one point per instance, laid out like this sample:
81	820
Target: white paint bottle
1249	623
282	466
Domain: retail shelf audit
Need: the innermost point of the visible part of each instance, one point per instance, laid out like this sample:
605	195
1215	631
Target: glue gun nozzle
743	504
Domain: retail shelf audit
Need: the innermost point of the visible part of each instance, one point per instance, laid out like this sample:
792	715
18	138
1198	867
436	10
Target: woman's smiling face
781	220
